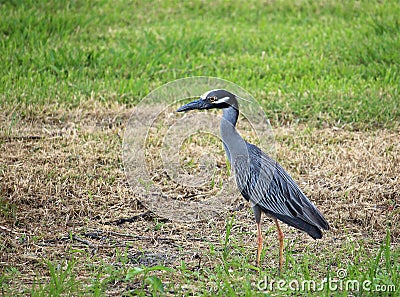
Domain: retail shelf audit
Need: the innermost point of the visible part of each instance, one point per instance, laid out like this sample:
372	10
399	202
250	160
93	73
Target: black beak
197	104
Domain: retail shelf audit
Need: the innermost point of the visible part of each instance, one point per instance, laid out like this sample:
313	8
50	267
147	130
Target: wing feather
266	184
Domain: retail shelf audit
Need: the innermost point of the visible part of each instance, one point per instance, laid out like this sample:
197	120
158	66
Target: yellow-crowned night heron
261	180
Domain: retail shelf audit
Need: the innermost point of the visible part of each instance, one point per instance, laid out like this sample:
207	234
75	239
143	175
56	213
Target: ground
65	196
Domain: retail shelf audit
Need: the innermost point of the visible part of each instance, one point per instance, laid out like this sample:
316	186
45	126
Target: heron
261	180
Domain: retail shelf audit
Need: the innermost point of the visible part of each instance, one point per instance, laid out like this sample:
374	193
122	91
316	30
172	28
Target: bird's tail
298	223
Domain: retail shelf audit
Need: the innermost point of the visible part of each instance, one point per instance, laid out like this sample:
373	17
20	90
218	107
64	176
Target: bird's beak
197	104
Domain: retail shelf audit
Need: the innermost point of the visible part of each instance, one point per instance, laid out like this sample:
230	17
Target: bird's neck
231	114
233	142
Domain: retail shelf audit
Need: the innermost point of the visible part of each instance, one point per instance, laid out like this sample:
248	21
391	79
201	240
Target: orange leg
280	237
259	243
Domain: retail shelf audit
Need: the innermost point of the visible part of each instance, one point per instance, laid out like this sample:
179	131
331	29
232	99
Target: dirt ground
63	186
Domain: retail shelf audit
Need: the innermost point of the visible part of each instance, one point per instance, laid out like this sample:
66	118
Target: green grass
306	60
234	276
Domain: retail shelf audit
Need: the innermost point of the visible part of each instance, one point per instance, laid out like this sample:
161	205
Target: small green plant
62	280
6	277
229	225
7	208
158	224
146	184
153	281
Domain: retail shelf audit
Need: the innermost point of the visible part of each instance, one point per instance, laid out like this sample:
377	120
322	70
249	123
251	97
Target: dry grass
63	186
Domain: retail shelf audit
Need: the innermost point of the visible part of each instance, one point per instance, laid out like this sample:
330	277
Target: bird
261	180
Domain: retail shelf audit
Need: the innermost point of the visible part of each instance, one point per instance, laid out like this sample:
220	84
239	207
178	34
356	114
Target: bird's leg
280	237
257	216
259	243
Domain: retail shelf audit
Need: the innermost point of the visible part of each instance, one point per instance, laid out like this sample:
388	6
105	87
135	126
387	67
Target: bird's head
212	99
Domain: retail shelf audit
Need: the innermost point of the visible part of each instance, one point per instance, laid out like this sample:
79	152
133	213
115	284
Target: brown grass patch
63	187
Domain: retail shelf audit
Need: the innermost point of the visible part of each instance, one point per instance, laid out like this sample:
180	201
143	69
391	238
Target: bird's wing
265	183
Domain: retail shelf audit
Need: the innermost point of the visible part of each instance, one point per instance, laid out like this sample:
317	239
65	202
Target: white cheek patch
222	100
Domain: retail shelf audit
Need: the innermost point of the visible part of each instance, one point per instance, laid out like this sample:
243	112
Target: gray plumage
271	189
260	179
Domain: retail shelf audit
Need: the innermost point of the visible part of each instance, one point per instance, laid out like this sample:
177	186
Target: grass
233	276
303	60
326	73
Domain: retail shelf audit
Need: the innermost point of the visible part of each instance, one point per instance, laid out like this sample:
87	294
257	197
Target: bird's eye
213	98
